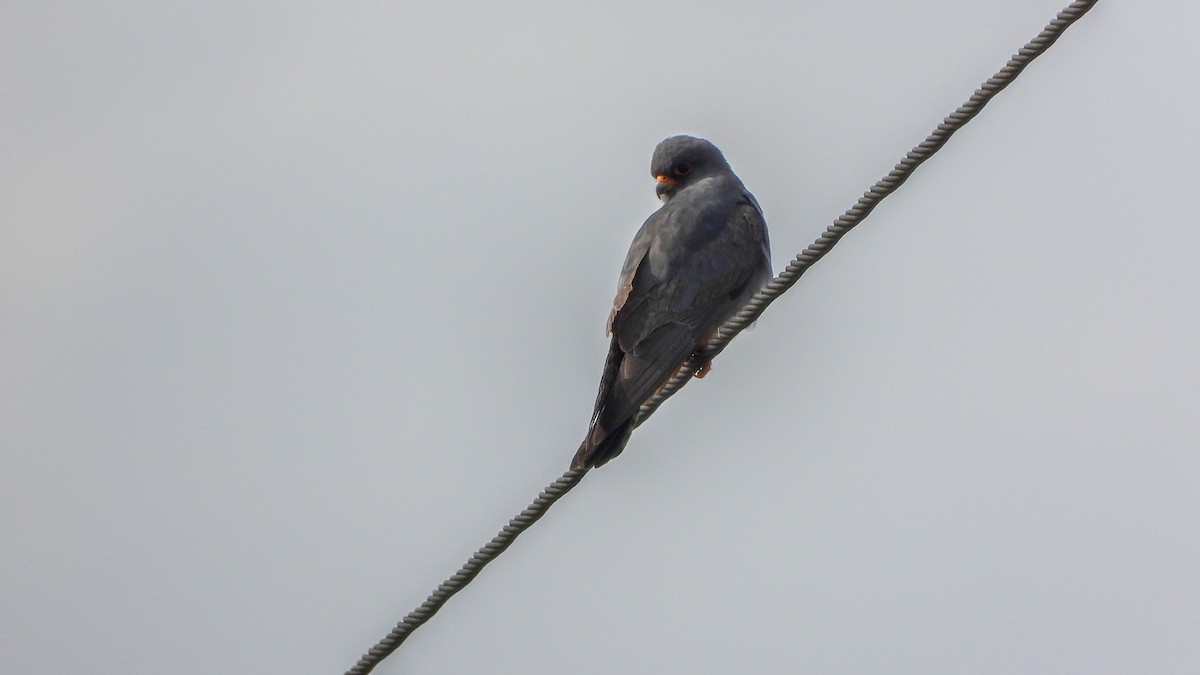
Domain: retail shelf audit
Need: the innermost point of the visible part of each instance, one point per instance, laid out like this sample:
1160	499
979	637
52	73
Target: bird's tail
601	445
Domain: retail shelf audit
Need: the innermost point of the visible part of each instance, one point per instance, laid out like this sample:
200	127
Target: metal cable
467	572
870	199
786	279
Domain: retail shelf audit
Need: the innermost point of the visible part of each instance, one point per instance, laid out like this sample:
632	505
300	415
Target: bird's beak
663	184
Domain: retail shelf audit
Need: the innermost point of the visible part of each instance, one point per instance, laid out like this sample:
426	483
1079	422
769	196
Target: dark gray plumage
694	263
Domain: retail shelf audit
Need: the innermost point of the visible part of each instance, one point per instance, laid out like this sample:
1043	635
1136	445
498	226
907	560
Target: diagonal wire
468	571
786	279
870	199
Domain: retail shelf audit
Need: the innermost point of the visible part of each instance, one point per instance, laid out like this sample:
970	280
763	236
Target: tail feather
604	439
601	445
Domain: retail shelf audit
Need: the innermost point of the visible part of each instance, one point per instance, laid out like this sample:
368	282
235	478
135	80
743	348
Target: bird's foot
702	370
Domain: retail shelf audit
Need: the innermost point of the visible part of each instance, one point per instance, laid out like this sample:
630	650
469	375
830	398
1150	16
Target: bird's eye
682	169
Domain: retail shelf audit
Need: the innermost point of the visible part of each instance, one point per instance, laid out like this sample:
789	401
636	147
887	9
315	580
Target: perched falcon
695	262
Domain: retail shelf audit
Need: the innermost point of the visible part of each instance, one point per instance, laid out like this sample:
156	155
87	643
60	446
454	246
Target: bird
693	264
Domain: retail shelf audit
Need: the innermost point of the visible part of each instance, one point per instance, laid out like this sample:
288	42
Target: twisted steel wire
753	309
870	199
487	553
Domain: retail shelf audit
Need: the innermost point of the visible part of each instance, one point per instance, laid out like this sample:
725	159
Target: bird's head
680	161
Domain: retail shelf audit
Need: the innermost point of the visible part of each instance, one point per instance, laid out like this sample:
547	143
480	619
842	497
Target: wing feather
688	270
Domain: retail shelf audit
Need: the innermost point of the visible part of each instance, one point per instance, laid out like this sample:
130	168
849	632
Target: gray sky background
300	302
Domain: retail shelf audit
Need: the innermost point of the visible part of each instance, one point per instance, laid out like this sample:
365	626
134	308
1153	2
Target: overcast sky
300	302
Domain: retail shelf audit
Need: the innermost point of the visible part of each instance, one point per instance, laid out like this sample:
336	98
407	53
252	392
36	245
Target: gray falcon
695	262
